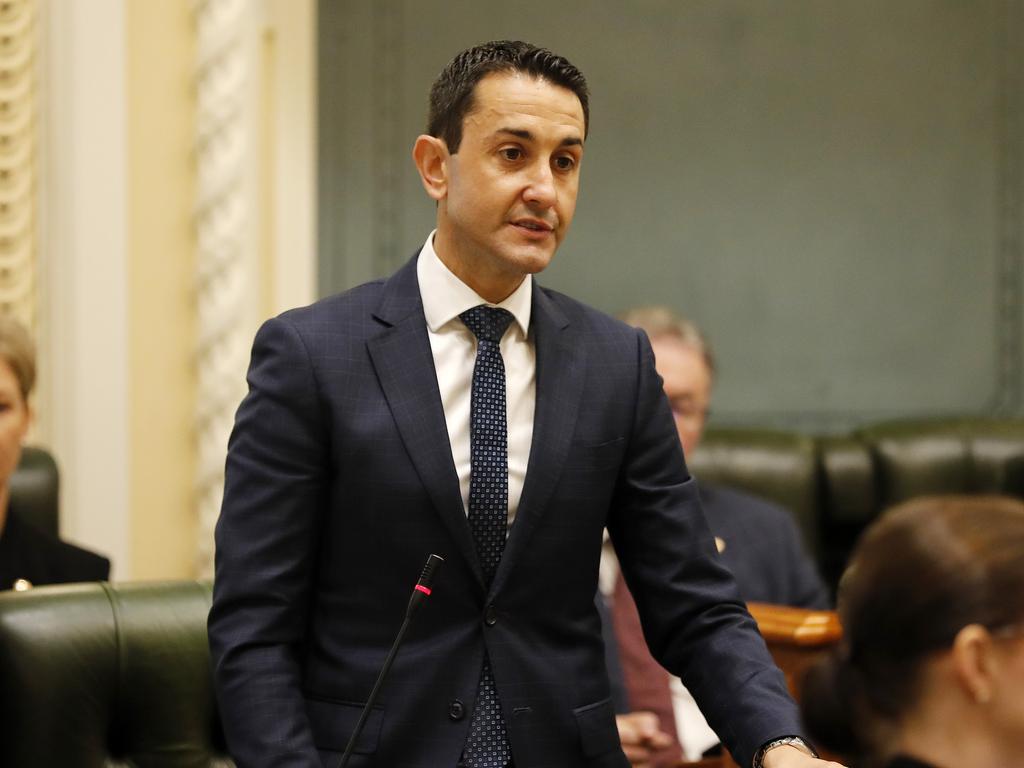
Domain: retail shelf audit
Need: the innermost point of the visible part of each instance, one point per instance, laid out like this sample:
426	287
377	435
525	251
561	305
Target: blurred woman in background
931	670
29	556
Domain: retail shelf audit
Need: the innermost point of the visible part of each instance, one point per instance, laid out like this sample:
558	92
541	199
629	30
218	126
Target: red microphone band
424	590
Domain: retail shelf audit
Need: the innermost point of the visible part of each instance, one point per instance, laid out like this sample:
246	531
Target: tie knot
487	323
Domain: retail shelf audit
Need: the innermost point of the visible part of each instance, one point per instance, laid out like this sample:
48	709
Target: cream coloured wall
169	204
121	202
83	255
160	43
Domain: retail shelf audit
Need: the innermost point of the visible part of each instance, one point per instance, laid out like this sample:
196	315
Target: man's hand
788	756
641	736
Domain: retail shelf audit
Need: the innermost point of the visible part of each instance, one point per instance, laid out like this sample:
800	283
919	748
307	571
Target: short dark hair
451	96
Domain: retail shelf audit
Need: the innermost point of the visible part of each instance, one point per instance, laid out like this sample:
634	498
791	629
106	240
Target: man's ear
431	157
975	662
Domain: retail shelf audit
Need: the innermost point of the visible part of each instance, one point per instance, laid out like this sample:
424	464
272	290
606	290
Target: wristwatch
793	741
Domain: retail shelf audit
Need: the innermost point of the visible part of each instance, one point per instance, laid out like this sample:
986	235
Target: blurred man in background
757	540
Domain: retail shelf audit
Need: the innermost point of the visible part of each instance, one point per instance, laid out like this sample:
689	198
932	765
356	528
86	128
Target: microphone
423	589
425	586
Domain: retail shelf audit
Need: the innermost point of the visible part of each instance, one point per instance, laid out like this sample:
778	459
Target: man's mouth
533	225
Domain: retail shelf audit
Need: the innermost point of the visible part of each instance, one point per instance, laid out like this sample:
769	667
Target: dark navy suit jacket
340	482
763	549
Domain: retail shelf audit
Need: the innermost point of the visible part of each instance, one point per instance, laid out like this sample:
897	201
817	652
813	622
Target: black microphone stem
376	690
419	594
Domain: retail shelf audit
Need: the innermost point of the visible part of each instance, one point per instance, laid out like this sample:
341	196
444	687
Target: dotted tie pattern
487	744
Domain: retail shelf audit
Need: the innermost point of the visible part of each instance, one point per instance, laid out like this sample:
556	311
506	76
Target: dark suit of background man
350	462
758	541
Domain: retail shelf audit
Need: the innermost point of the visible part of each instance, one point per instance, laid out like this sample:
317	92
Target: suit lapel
405	368
560	376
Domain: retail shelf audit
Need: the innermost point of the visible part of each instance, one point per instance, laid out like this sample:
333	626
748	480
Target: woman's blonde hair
19	351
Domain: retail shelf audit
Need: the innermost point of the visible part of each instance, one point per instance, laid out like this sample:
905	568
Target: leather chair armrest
799	627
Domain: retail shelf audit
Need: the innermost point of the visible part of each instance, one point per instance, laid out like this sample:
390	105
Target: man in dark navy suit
461	409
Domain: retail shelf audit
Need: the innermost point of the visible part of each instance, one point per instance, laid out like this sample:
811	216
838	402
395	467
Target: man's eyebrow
522	133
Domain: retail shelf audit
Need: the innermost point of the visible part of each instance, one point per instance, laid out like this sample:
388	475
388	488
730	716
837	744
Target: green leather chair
35	489
837	485
884	464
98	676
775	465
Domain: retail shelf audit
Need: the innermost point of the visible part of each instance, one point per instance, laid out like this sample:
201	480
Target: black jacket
30	554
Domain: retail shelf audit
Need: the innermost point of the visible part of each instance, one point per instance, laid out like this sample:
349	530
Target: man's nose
540	189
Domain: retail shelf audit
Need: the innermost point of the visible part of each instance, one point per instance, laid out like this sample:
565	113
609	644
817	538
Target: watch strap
782	741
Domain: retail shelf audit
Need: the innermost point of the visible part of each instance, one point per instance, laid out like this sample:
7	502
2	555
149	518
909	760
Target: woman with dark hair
931	670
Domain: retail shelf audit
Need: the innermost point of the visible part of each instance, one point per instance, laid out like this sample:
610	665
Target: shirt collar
445	296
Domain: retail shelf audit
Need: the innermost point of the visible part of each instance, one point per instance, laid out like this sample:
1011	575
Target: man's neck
491	285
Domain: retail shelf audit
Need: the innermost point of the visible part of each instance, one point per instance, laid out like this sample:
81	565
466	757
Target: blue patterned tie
487	744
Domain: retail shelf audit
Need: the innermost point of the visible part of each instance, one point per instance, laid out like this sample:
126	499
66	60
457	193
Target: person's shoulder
355	303
79	564
597	325
727	500
57	560
355	314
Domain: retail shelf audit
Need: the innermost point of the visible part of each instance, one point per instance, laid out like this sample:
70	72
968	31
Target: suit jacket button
490	616
456	710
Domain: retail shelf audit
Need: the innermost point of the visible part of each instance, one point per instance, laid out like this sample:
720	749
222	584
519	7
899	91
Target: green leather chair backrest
99	676
884	464
778	466
836	485
959	456
35	489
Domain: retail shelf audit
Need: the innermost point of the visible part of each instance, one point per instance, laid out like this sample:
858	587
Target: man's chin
531	260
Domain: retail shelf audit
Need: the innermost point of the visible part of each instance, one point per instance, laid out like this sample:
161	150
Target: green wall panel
833	190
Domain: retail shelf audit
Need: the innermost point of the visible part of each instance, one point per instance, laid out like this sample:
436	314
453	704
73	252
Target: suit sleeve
694	621
274	494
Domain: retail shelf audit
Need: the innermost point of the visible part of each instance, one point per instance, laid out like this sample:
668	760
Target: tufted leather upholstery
836	485
780	466
97	676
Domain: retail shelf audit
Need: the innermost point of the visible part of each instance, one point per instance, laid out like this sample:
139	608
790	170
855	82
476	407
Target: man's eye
512	153
565	163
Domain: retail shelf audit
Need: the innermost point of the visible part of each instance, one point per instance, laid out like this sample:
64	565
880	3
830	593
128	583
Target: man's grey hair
662	322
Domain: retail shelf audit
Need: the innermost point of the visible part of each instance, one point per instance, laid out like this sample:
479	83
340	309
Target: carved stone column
18	169
228	281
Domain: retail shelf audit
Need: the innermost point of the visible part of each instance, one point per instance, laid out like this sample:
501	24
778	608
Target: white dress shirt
453	346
